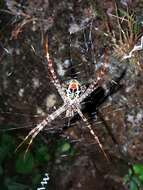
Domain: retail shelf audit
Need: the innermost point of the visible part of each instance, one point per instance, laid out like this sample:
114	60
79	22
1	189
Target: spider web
25	82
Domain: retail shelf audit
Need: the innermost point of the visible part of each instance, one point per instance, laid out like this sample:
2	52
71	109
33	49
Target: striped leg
34	132
92	132
100	77
54	78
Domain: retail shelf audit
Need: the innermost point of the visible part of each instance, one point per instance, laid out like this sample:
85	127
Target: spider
72	98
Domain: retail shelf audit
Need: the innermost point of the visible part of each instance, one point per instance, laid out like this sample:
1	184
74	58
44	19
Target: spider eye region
73	89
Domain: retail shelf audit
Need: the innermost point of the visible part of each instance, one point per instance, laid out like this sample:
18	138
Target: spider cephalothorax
73	90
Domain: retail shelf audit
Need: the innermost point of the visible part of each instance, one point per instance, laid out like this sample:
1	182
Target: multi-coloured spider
72	98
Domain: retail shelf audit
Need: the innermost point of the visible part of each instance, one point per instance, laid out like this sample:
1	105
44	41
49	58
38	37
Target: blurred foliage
21	172
134	178
135	24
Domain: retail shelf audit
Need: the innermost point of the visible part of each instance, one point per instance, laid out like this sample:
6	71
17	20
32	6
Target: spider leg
54	78
99	79
92	132
34	132
31	140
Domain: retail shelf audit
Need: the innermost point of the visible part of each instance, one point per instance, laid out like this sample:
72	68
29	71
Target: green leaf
65	147
130	173
138	169
7	139
24	164
12	185
42	154
6	151
141	178
7	145
133	185
36	179
136	180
